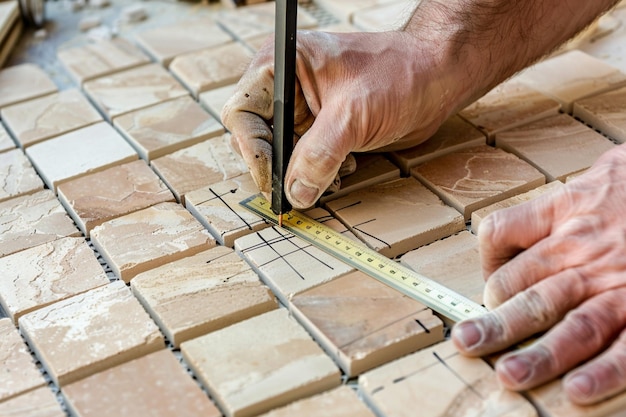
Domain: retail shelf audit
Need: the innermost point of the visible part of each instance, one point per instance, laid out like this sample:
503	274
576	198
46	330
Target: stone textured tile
133	89
572	76
148	238
17	368
17	175
93	199
211	68
53	271
453	262
200	165
453	135
448	385
385	17
167	127
165	43
214	100
32	220
479	215
6	142
217	208
396	216
100	58
154	385
90	332
473	178
90	149
509	105
605	112
344	10
557	146
40	402
363	323
202	293
24	82
284	365
53	115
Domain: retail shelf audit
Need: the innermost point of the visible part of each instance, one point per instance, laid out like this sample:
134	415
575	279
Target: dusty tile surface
605	112
17	368
363	323
558	146
40	119
384	17
90	149
40	402
345	9
211	68
133	89
154	385
166	127
114	192
476	177
17	175
396	216
100	58
53	271
149	238
90	332
214	100
6	142
200	165
202	293
164	43
285	364
24	82
31	220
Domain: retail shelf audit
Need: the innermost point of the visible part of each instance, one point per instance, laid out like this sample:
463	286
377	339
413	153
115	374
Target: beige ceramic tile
199	166
40	402
453	135
90	149
17	175
18	370
572	76
32	220
385	17
473	178
133	89
167	127
154	385
444	383
214	100
453	262
479	215
24	82
100	58
53	271
90	332
43	118
283	365
148	238
363	323
396	216
256	42
114	192
605	112
344	10
6	142
212	67
558	146
202	293
164	43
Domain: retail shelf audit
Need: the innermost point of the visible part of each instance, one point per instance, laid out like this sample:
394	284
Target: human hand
558	263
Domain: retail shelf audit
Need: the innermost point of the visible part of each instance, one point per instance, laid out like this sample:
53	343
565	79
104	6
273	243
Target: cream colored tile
32	220
363	323
133	89
605	112
40	402
344	10
284	365
6	142
214	100
17	175
473	178
93	199
256	42
90	332
202	293
558	146
385	17
148	238
90	149
53	271
24	82
154	385
39	119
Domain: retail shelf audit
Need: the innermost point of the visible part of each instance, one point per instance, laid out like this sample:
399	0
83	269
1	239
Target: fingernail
468	334
305	195
580	384
516	369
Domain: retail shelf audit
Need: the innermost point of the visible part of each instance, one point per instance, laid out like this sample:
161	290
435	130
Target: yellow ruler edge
425	290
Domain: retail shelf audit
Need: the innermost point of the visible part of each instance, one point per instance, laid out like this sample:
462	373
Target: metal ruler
431	293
